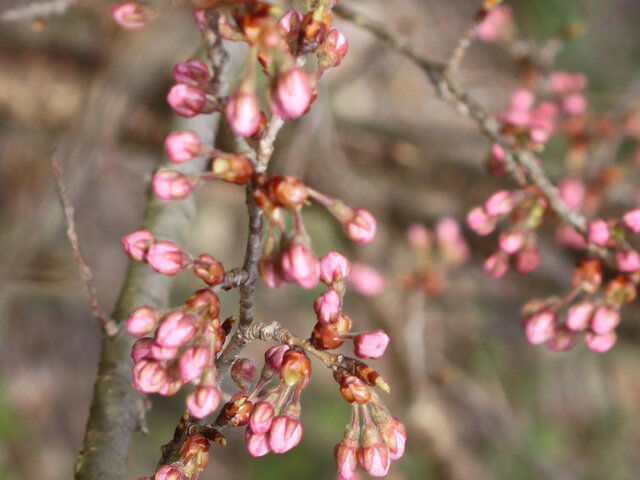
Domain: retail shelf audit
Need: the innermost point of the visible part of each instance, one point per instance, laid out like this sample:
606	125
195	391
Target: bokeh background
479	402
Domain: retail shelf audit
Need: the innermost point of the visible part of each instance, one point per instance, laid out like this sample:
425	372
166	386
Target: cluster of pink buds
526	209
192	459
164	257
383	440
188	97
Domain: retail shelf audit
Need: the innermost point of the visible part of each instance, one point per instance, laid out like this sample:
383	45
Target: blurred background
479	402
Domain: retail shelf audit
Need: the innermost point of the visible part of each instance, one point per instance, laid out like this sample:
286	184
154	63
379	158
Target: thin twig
109	324
468	106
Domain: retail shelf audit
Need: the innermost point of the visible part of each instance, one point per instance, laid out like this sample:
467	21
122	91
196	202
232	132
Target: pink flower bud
203	401
182	146
137	243
500	203
163	353
564	82
544	116
193	73
598	232
290	22
527	259
627	261
496	264
373	456
563	339
334	268
148	375
333	50
168	472
631	220
540	327
285	433
600	343
142	321
175	330
129	15
186	101
579	315
366	280
261	417
171	185
327	307
269	272
170	387
568	236
496	24
371	345
201	21
344	454
481	223
141	349
299	265
193	361
572	191
538	135
166	258
273	360
574	104
418	236
243	113
361	227
291	93
243	372
257	443
400	436
511	241
605	319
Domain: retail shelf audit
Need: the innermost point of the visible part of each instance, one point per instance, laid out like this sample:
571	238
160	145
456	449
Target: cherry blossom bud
605	319
333	50
182	146
371	345
201	21
299	265
171	185
238	410
313	30
175	330
511	241
141	349
148	375
163	353
269	272
187	101
257	443
564	82
192	73
232	168
352	388
540	327
418	236
285	433
567	235
287	191
588	275
243	371
202	401
334	268
243	113
208	269
194	454
166	258
400	439
171	386
600	343
261	417
142	321
495	162
631	220
620	291
292	93
361	227
168	472
193	361
627	261
373	456
137	243
496	264
289	24
327	336
500	203
527	259
295	368
496	25
129	15
481	223
327	307
579	315
598	232
574	104
366	280
344	454
538	135
273	361
204	298
563	339
572	191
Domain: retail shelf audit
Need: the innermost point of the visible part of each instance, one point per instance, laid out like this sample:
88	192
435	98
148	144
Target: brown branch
108	324
468	106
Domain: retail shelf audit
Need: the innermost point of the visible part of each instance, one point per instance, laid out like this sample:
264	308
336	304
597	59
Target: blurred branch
36	10
466	105
108	324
